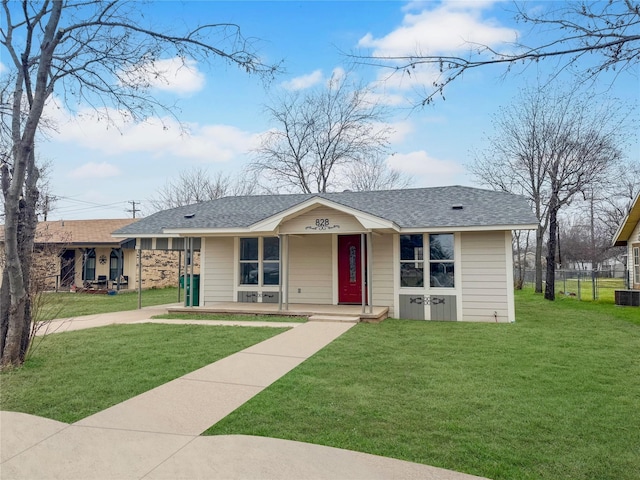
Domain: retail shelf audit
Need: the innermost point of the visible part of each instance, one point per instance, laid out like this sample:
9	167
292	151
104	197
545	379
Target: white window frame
260	261
452	261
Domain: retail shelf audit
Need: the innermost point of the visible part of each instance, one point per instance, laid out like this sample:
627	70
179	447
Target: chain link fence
587	285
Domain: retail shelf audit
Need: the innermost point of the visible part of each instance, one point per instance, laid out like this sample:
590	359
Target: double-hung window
636	264
411	261
271	261
260	261
441	260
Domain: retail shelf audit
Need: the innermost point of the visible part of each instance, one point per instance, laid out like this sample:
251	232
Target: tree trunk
5	301
519	280
550	288
20	225
538	258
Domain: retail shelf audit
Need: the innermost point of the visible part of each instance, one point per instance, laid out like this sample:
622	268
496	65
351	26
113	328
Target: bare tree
550	146
520	242
604	35
618	195
196	185
374	174
583	243
319	136
101	53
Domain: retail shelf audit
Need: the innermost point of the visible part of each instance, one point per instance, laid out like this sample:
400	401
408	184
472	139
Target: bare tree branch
603	35
196	185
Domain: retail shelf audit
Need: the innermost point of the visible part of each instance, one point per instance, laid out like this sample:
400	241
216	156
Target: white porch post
140	275
184	281
370	271
363	270
280	256
286	290
191	272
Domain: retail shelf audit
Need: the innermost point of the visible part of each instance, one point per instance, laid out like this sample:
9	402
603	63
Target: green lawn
64	305
230	317
76	374
554	396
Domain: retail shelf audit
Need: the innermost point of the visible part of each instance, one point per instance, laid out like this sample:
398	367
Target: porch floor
320	312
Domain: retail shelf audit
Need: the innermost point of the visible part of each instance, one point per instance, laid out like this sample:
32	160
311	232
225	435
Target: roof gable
313	203
628	225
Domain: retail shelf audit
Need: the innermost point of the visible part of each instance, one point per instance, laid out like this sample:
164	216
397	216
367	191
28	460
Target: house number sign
322	224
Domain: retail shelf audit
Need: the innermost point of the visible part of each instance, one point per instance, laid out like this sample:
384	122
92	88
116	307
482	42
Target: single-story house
440	253
72	254
628	235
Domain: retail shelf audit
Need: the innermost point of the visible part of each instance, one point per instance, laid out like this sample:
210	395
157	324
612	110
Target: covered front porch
315	312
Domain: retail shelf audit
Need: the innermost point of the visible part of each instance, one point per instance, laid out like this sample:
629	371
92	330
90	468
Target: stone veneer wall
45	268
160	268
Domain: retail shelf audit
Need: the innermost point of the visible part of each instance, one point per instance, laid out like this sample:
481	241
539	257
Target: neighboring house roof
626	227
78	232
398	209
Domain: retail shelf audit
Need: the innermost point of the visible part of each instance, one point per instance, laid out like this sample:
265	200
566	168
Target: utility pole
45	207
133	209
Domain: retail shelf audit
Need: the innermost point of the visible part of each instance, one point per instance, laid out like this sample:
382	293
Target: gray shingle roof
408	208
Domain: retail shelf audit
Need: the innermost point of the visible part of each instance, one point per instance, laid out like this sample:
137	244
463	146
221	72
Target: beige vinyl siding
339	222
634	241
129	264
383	288
484	277
218	270
311	269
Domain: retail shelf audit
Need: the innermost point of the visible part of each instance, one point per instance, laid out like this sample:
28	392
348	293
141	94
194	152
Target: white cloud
314	78
95	171
3	68
304	81
155	137
428	171
444	29
338	74
176	75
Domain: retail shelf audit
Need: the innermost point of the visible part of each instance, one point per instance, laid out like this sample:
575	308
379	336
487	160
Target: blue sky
97	171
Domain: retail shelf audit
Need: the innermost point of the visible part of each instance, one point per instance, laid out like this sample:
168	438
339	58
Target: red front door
349	269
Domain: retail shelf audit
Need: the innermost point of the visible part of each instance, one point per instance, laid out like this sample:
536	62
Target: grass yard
76	374
64	305
554	396
230	317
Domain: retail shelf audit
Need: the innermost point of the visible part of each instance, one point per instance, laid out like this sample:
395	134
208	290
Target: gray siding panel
412	307
443	307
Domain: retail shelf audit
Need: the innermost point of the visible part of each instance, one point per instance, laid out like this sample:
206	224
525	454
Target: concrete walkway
155	435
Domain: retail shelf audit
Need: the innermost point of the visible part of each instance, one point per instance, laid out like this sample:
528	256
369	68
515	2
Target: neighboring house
71	254
612	267
439	253
628	235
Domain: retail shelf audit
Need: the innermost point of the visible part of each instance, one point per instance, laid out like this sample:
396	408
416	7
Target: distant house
628	235
431	254
72	254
